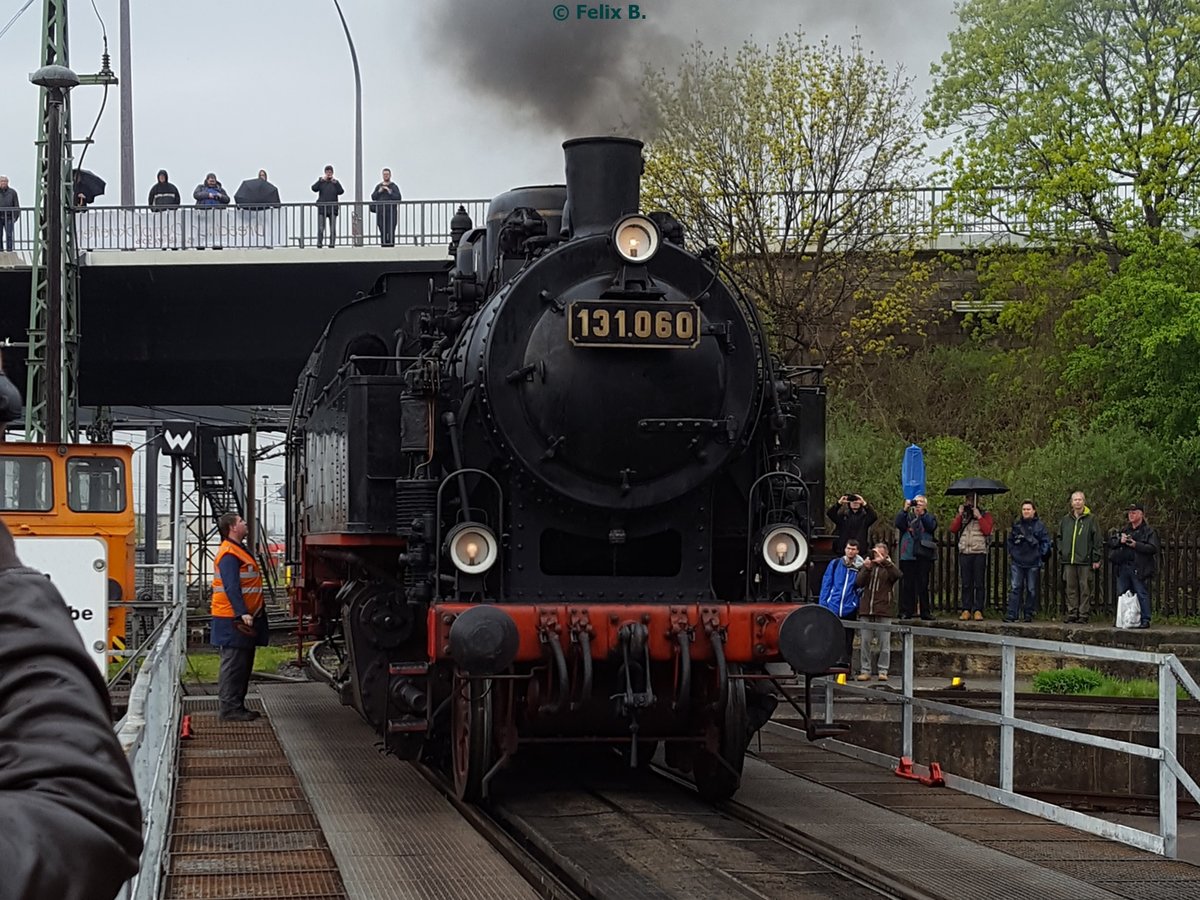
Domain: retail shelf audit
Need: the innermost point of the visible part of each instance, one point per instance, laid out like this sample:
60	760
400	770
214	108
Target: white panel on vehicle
78	566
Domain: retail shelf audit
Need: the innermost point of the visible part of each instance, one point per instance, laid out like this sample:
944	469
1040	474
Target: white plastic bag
1129	611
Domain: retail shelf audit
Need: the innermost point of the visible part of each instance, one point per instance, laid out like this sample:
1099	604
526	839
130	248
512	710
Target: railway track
624	834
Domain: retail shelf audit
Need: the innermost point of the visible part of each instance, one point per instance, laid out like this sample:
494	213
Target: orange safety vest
251	579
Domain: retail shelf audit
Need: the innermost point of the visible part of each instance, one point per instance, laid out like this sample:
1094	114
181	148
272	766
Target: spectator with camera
973	526
917	549
852	517
1028	545
1134	551
875	581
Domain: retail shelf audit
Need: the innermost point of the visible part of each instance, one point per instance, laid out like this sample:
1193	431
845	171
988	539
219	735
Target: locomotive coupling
484	640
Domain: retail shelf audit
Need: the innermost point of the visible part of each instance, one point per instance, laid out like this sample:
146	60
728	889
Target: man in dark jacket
852	517
70	822
1134	551
1028	543
209	192
875	581
1079	553
163	195
917	548
328	189
9	203
385	201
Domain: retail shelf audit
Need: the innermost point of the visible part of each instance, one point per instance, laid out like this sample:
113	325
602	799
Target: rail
922	213
1171	774
418	223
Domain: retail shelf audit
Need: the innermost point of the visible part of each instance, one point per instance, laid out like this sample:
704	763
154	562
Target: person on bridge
239	621
9	203
209	192
327	188
1134	551
384	203
163	195
72	823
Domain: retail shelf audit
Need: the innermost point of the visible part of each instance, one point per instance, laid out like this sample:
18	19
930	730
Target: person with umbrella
87	186
973	525
384	201
917	547
257	193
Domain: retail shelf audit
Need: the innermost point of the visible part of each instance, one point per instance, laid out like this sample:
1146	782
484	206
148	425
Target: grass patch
203	665
1086	682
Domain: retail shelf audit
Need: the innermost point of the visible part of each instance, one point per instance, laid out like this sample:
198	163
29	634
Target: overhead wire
13	20
104	99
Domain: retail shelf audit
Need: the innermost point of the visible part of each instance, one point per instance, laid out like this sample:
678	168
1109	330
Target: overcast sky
231	87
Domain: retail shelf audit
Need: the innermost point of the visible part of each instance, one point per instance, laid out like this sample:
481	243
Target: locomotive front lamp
784	549
636	239
472	548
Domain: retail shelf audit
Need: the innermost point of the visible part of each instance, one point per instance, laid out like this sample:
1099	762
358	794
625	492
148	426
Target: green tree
788	159
1062	101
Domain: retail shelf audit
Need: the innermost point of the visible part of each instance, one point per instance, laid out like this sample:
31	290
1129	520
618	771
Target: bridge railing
419	223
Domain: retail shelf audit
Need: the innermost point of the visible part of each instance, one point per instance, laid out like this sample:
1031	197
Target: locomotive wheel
718	774
472	740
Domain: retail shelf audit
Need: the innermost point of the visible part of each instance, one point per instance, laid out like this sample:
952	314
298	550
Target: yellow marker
842	678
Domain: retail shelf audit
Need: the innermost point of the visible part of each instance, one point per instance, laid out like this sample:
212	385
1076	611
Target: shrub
1067	681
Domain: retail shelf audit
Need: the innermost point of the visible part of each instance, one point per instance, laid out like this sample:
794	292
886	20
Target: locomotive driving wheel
472	740
718	774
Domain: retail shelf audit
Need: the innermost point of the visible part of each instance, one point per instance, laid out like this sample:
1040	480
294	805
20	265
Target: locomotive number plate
632	323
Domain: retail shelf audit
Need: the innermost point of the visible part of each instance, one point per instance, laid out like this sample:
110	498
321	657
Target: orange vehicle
70	508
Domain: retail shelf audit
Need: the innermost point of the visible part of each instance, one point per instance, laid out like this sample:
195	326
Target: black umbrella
965	486
256	193
89	184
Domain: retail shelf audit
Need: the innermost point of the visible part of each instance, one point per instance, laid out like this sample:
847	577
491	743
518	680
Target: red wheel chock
186	732
933	779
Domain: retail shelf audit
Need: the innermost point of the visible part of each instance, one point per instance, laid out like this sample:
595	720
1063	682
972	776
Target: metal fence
1174	590
1171	774
419	223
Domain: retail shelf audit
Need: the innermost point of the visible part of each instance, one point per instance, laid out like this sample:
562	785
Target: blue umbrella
912	472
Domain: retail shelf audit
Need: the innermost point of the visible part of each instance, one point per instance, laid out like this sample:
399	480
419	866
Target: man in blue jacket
840	593
1028	543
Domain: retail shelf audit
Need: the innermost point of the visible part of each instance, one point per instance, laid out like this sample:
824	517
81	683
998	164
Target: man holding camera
974	529
852	517
874	581
1134	551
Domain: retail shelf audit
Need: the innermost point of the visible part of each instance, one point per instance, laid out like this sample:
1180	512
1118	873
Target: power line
13	20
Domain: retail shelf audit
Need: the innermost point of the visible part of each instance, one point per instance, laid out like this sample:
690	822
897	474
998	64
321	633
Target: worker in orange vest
239	621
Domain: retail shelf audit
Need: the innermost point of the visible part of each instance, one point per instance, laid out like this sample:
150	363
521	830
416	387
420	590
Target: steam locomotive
564	496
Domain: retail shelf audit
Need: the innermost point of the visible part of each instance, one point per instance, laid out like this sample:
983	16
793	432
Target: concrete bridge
204	307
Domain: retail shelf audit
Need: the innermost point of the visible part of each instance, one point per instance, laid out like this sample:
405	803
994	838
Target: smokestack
603	183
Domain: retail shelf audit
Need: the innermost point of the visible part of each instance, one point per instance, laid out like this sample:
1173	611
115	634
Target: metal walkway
944	842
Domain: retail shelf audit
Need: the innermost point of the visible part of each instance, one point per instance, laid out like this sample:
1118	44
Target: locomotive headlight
784	548
636	239
472	548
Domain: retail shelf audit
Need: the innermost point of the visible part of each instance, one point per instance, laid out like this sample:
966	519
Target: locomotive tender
568	496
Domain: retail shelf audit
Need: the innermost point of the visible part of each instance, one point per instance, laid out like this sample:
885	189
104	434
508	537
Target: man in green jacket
1079	552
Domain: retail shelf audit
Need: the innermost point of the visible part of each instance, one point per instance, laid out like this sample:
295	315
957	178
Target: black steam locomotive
566	495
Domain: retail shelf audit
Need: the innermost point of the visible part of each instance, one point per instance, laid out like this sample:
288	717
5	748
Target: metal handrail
1171	675
419	223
